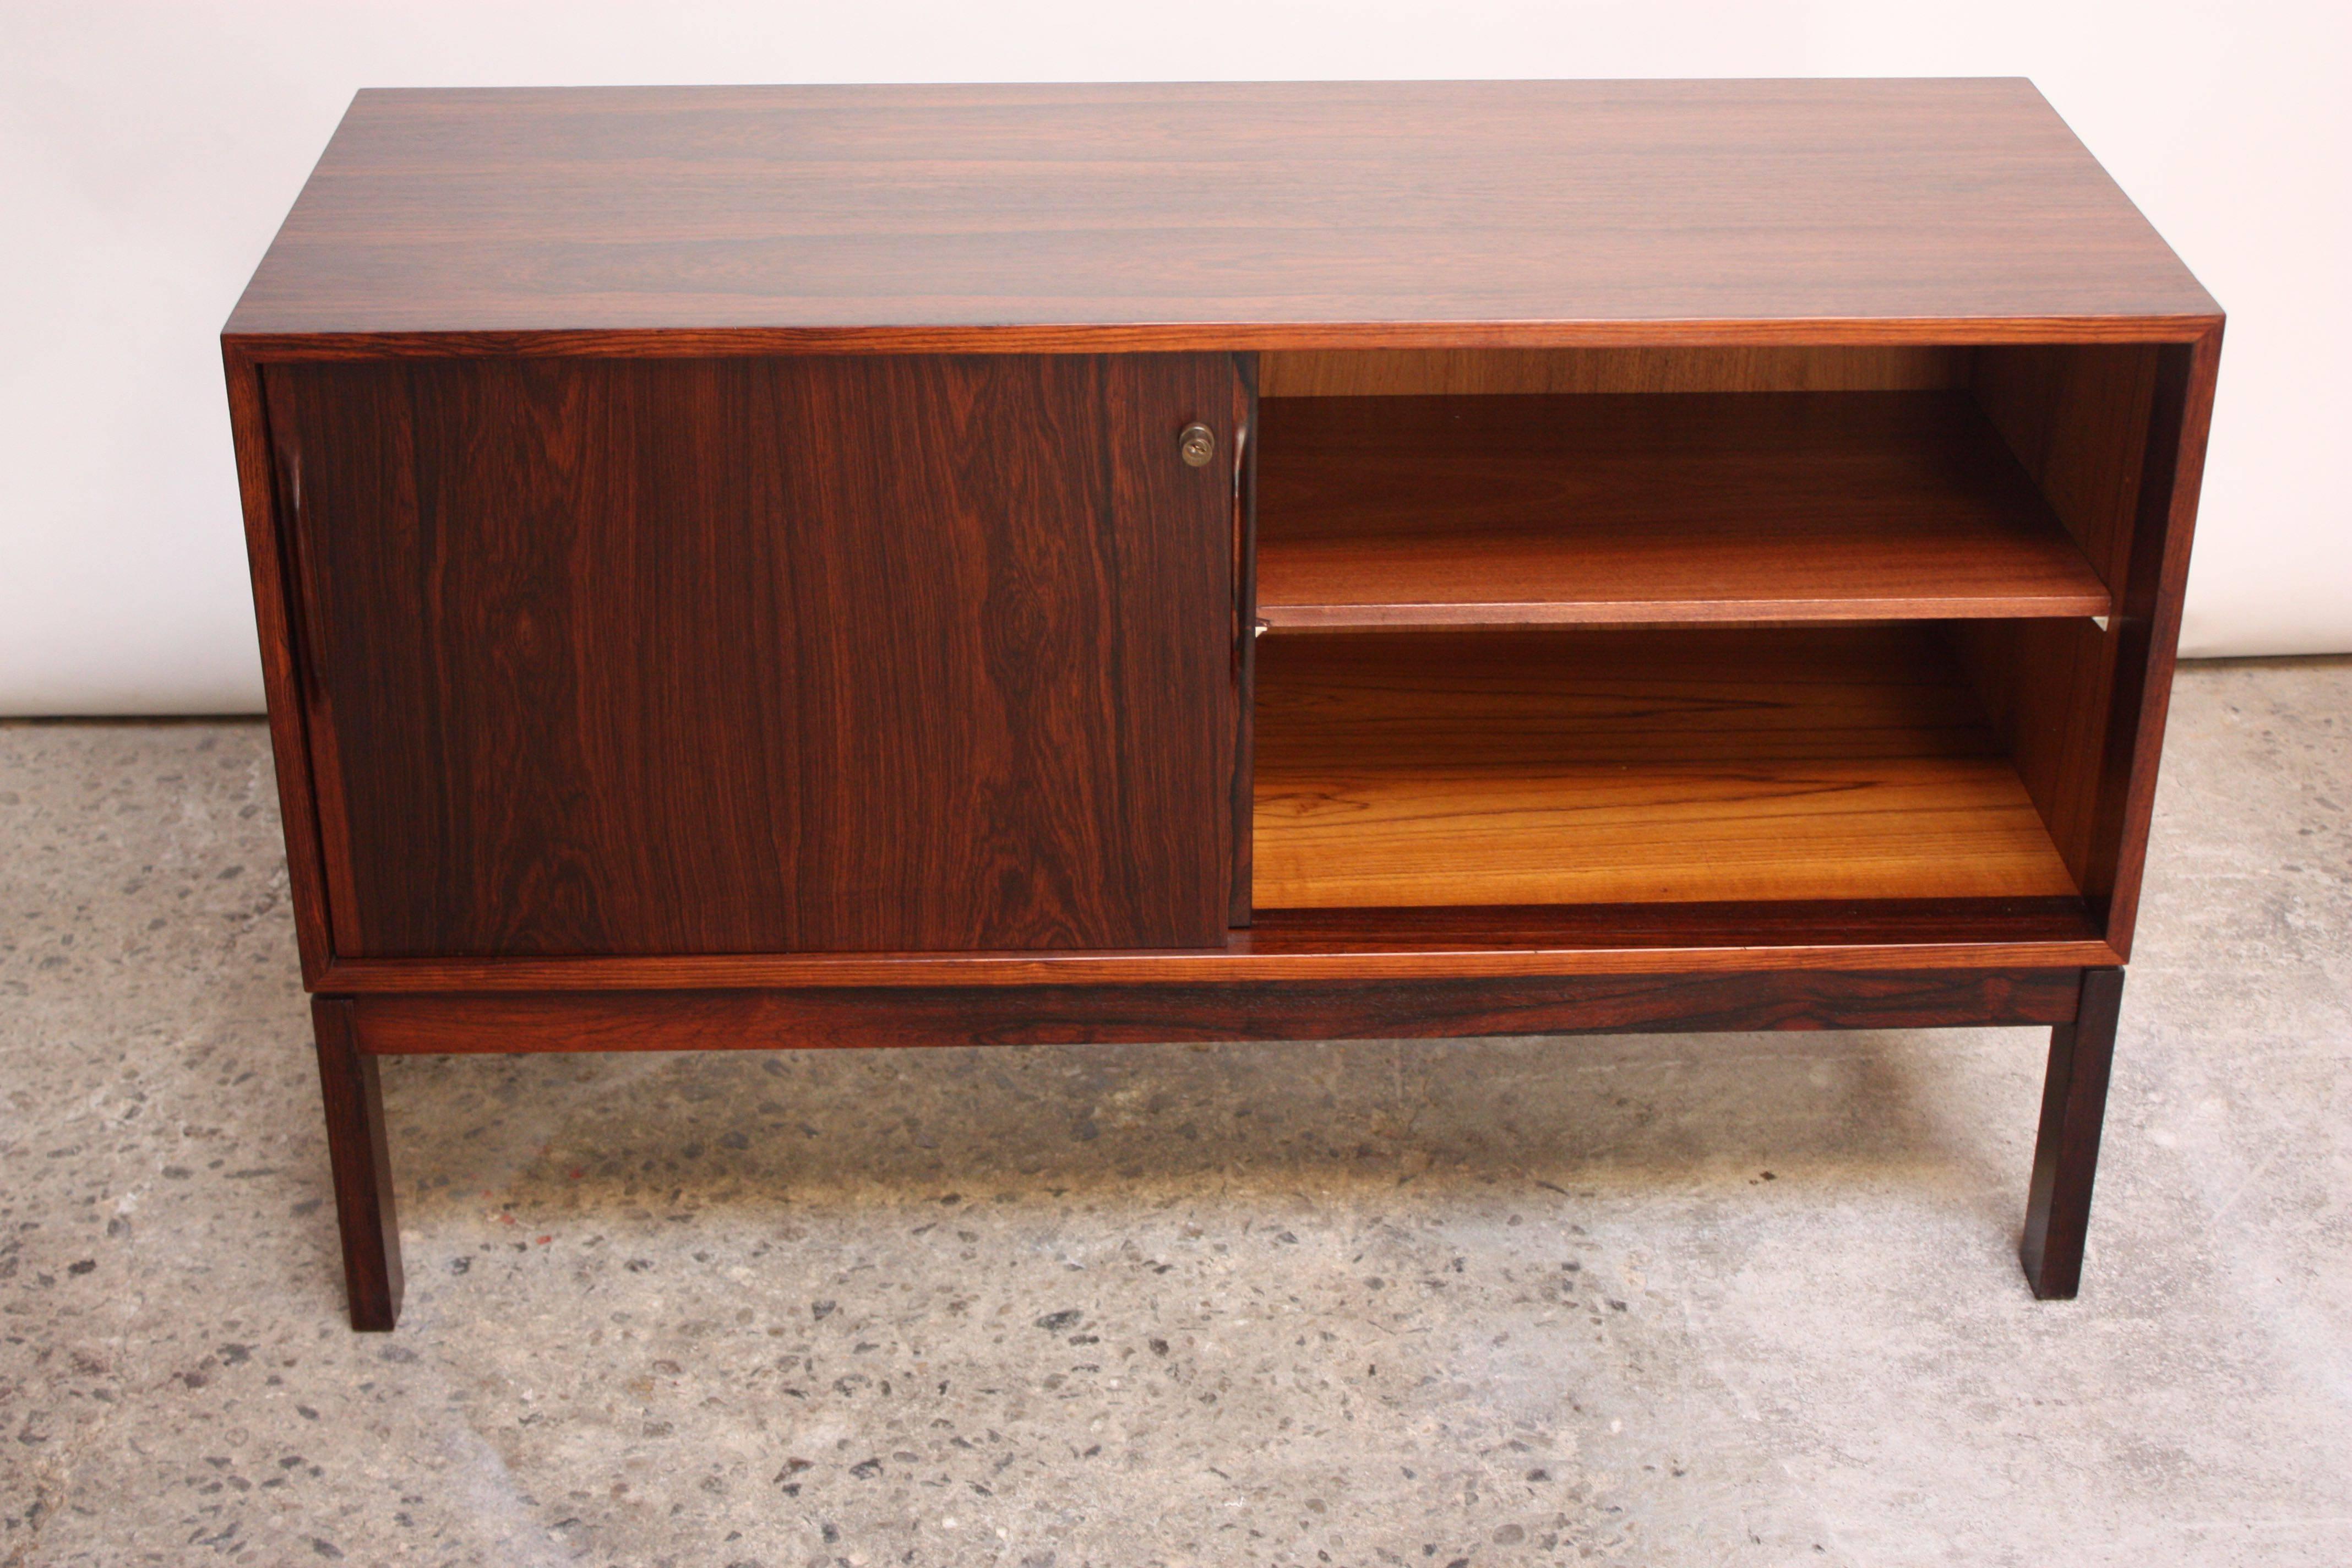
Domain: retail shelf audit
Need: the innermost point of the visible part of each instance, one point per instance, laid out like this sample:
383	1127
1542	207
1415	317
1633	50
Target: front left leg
361	1164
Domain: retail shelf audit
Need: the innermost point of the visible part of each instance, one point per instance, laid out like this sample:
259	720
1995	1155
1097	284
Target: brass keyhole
1197	444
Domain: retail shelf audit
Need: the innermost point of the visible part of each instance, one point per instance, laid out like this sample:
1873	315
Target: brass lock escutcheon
1196	444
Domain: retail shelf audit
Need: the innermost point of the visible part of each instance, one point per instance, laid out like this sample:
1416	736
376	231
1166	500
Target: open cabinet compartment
1652	766
1609	508
1824	629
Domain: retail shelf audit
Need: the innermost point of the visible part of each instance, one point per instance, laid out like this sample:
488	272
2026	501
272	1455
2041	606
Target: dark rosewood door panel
828	653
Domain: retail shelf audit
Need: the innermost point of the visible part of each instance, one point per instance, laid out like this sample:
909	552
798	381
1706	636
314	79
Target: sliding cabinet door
825	653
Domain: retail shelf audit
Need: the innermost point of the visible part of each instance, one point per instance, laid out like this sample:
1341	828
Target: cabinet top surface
1210	215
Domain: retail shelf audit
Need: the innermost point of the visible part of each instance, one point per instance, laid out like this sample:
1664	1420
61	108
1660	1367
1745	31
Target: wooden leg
2066	1155
362	1168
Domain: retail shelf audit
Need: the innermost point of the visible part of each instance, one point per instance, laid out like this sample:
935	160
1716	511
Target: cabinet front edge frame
1179	966
274	610
1170	337
2150	613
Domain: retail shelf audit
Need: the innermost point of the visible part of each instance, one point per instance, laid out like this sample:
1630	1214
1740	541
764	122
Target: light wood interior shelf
1628	767
1524	510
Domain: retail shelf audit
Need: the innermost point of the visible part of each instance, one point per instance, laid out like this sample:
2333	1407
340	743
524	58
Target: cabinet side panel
766	655
2180	418
2077	419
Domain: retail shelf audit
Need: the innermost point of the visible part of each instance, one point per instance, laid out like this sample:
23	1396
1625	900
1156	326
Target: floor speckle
1744	1299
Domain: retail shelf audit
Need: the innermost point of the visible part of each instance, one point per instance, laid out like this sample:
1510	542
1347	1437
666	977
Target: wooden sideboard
758	567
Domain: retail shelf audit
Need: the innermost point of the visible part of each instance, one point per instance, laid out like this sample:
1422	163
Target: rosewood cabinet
764	567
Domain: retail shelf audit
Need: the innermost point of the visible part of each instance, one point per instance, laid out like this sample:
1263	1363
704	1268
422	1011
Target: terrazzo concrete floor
1657	1301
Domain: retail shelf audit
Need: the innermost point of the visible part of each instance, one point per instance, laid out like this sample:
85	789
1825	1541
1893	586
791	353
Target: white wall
147	149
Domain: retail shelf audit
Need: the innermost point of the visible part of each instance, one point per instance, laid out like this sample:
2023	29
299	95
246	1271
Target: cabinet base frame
353	1031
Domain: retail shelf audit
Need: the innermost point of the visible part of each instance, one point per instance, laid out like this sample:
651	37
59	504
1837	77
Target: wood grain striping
634	656
1209	215
774	1020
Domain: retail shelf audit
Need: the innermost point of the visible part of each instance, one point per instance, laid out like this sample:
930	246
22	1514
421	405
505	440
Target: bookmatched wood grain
630	657
1524	511
1634	767
1218	216
774	1020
